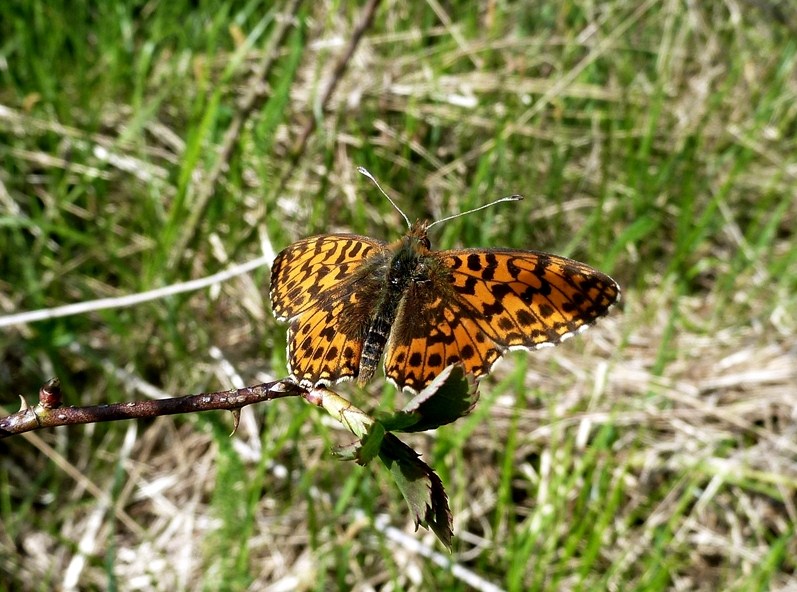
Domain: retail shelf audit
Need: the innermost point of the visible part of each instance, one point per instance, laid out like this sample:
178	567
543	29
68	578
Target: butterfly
351	299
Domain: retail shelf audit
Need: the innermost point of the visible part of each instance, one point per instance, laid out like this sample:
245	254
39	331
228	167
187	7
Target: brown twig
48	413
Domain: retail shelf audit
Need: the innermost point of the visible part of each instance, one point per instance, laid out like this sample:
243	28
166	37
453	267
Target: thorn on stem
236	420
23	404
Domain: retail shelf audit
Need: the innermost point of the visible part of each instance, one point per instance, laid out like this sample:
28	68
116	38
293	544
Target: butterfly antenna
364	171
492	203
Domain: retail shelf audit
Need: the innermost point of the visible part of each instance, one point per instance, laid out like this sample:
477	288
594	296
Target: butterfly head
419	235
414	244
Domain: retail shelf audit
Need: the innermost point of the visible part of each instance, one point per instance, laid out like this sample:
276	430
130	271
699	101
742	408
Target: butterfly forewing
306	271
528	298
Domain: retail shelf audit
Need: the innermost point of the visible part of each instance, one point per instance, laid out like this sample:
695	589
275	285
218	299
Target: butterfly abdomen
374	345
405	267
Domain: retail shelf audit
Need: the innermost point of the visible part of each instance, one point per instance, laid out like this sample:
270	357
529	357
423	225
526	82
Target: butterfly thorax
406	265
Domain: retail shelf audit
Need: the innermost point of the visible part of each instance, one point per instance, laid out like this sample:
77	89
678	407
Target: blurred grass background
656	141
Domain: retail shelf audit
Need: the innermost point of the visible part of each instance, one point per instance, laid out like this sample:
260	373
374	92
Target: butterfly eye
426	243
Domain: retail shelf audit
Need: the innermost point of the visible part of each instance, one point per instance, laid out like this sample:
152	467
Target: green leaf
347	451
421	487
453	394
365	449
450	396
370	444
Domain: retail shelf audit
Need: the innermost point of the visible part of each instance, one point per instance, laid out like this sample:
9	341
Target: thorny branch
49	411
419	484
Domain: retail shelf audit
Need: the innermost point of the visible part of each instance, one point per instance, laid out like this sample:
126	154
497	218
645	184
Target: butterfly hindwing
487	303
414	357
314	283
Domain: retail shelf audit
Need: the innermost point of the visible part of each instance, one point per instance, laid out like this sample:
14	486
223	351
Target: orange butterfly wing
315	285
493	301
